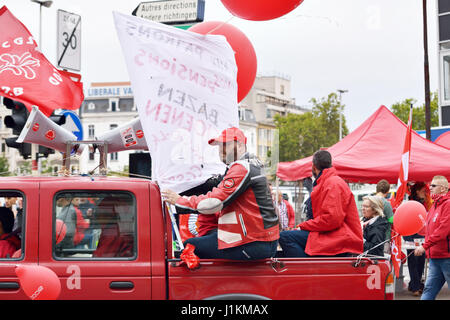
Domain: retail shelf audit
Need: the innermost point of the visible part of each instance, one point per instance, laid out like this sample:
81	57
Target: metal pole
340	112
34	147
426	73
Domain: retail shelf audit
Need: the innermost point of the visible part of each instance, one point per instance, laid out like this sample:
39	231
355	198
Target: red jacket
8	245
437	237
248	213
291	213
335	228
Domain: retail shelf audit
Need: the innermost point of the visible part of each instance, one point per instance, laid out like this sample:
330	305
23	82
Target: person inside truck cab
9	242
335	229
247	223
113	241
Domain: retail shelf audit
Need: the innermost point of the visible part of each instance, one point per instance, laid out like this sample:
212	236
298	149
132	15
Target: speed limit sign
69	40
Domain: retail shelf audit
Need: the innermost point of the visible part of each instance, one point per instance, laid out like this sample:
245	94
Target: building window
446	74
91	106
91	131
114	105
112	215
281	89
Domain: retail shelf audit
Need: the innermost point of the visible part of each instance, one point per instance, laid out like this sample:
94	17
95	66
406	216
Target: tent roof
373	151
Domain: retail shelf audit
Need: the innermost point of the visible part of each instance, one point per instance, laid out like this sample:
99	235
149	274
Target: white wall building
106	106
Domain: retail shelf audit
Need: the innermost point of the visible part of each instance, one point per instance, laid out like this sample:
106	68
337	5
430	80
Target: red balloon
259	10
61	230
244	52
38	282
409	218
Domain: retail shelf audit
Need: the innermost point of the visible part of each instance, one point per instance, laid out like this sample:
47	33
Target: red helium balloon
61	230
259	10
409	218
244	52
38	282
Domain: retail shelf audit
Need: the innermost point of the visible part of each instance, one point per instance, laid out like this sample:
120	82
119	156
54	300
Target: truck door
95	240
21	198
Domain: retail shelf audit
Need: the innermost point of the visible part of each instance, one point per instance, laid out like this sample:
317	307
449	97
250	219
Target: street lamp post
34	147
340	112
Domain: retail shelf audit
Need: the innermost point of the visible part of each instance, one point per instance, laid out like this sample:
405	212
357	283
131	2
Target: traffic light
59	120
24	148
16	121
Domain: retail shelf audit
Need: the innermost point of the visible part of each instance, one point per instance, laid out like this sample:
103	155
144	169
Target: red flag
27	76
396	240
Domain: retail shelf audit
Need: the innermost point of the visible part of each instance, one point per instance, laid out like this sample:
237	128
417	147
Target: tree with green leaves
4	167
401	110
301	135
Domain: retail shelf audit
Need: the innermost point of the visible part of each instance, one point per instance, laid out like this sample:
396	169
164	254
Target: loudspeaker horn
129	136
39	129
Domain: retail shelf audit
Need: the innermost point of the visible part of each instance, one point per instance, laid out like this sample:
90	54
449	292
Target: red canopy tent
373	151
444	140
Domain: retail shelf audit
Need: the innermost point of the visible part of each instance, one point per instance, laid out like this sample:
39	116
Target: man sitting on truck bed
335	228
247	222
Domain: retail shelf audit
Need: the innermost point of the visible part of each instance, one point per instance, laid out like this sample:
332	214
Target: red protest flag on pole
27	76
396	240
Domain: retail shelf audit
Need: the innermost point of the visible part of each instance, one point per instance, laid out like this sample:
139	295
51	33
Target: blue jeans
416	265
206	247
439	273
293	243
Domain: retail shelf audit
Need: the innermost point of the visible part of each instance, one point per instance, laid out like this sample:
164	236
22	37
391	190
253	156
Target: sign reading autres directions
69	40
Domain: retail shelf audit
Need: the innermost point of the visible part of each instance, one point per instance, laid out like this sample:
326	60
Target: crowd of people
247	219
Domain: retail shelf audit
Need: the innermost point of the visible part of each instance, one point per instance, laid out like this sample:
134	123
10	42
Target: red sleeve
291	214
234	183
442	230
331	215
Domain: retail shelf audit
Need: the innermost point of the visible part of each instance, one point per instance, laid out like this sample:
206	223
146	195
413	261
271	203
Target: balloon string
220	25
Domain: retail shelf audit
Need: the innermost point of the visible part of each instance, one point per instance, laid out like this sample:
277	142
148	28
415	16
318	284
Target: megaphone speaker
39	129
129	136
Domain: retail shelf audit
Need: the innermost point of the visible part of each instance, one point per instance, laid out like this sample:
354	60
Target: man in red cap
247	222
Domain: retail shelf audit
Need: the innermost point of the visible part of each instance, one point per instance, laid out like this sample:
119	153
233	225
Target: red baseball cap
230	134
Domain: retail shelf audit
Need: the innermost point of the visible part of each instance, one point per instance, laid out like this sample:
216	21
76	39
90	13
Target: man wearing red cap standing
247	222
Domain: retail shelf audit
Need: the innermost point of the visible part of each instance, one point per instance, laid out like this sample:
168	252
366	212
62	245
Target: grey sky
373	48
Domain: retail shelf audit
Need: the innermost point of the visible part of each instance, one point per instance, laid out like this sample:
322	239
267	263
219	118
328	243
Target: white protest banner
185	90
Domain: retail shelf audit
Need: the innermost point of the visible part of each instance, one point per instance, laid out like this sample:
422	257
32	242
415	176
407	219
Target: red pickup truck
116	243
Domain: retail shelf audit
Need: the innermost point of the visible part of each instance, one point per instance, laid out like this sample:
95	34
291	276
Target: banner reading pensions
185	90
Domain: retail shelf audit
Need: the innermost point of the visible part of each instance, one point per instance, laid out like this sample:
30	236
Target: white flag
185	90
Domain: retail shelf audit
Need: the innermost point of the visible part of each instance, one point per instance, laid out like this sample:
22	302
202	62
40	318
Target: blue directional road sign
73	124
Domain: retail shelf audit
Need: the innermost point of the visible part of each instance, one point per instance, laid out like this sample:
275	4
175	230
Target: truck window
12	224
94	225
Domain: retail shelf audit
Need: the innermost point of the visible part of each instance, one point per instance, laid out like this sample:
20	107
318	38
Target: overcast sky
372	48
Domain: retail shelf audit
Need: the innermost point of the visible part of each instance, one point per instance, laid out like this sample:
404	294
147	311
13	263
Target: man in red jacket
335	228
437	239
247	222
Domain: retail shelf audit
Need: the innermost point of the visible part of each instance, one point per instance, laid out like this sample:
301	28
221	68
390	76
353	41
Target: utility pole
35	167
426	73
340	112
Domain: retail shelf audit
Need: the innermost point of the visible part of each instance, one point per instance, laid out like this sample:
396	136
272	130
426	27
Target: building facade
108	105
